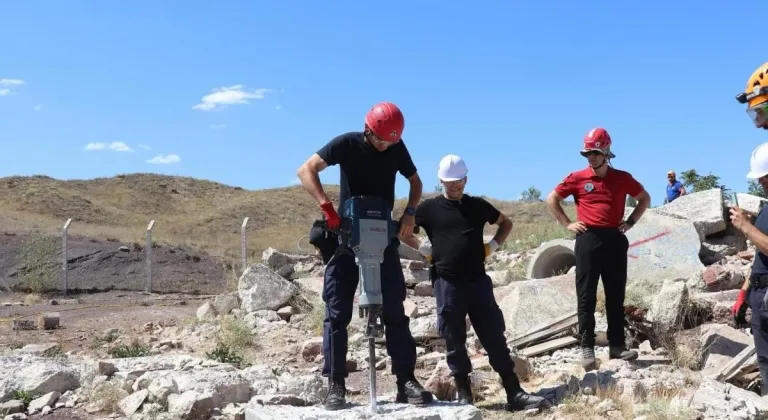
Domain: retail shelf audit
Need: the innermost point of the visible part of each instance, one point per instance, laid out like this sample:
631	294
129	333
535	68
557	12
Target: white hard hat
758	163
452	168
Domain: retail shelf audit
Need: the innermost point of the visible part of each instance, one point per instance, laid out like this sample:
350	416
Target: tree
696	182
631	202
438	188
531	194
756	189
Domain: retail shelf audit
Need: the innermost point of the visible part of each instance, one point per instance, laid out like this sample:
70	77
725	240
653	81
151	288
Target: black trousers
456	300
755	298
601	252
341	278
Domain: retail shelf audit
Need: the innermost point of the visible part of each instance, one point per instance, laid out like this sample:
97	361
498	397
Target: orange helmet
755	95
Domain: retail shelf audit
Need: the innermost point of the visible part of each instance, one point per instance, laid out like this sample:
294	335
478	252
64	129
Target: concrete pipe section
553	258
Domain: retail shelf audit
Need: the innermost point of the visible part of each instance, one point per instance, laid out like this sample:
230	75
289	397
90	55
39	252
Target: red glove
332	218
739	301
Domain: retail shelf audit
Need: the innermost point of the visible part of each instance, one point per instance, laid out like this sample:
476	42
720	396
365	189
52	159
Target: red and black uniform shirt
599	201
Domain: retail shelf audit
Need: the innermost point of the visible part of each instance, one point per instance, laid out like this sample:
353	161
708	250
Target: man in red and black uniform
600	193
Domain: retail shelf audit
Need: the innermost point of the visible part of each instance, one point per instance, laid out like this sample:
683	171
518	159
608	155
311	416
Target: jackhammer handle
324	225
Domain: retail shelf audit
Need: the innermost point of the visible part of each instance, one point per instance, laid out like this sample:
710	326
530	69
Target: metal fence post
242	244
64	255
148	285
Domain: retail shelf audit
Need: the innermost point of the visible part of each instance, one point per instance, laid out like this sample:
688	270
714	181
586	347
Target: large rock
704	209
38	376
668	307
437	410
661	247
725	401
750	203
530	303
261	288
720	344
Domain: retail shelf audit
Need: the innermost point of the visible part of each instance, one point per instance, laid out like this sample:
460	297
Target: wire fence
47	265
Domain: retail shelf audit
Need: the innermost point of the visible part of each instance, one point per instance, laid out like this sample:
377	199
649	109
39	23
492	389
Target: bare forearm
414	195
642	206
310	180
759	239
502	232
411	240
556	210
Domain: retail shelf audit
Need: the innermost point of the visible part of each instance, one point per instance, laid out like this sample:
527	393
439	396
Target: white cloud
95	146
11	82
116	146
163	160
143	146
37	107
119	146
230	95
279	107
295	181
7	84
218	126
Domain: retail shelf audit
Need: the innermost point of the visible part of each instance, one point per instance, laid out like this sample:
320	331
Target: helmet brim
609	154
756	175
451	179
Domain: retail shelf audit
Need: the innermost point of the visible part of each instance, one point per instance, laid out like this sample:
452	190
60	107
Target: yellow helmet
755	95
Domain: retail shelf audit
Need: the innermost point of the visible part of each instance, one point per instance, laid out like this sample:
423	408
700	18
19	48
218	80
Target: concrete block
705	209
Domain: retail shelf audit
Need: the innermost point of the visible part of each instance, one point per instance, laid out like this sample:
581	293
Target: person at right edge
456	250
753	292
600	250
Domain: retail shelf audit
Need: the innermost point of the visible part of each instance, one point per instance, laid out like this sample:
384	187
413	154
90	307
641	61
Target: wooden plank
733	366
545	330
548	346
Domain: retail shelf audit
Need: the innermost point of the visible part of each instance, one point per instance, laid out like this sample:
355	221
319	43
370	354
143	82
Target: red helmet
598	139
386	121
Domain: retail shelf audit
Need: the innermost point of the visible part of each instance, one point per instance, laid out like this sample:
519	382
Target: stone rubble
689	276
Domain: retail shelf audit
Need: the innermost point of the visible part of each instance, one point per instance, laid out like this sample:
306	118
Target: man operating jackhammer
454	224
600	193
369	162
754	292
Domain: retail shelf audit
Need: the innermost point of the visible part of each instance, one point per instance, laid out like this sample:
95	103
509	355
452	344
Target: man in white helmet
454	224
753	293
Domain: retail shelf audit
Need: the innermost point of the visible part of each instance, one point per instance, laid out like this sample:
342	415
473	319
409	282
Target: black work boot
336	397
518	399
621	352
410	390
463	389
588	360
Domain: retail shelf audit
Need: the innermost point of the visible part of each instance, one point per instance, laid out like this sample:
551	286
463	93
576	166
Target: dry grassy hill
191	212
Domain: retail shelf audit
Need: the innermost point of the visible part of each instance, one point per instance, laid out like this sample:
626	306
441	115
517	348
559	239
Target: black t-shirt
455	228
760	263
365	170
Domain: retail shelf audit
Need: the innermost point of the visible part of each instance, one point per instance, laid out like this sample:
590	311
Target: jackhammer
366	230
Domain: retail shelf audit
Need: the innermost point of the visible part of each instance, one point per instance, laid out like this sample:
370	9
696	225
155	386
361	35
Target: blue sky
510	86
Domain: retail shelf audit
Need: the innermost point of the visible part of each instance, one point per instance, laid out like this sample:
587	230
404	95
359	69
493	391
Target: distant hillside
190	212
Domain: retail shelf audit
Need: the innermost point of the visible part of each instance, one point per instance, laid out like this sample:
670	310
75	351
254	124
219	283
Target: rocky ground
256	353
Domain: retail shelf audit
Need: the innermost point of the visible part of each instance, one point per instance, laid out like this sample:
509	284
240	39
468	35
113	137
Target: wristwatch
410	211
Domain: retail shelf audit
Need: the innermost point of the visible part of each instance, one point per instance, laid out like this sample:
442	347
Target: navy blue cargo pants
760	331
341	280
456	300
